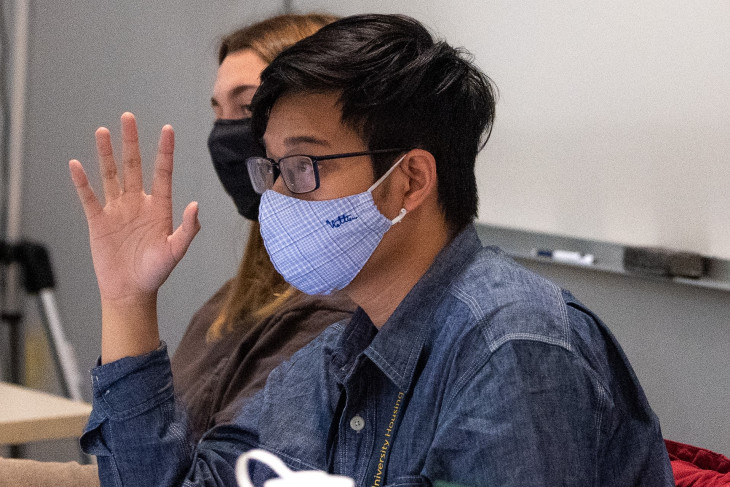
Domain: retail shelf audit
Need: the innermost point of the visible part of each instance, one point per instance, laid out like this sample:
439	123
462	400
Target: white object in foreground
287	477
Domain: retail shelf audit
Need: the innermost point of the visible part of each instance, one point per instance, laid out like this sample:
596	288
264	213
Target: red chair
697	467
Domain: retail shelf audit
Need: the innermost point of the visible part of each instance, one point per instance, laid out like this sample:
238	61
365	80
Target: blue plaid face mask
320	246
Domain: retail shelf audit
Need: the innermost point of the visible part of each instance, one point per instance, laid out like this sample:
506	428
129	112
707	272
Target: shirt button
357	423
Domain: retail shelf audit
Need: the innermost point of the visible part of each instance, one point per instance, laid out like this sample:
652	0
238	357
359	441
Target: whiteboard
612	122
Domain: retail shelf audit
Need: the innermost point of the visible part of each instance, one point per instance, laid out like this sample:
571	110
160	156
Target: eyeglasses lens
261	173
298	174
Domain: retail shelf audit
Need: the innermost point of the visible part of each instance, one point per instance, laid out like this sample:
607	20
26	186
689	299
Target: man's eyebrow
295	141
305	139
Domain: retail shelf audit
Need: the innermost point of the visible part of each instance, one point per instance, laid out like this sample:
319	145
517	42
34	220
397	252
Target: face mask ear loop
400	216
387	173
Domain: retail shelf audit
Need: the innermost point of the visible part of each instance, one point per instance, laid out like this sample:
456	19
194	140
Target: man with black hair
459	366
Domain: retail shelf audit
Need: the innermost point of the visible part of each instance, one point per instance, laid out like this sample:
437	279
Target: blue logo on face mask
344	218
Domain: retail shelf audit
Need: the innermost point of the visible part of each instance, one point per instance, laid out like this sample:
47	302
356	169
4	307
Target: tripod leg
65	358
15	343
13	318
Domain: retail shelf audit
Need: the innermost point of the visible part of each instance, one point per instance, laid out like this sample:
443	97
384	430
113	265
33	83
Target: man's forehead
304	119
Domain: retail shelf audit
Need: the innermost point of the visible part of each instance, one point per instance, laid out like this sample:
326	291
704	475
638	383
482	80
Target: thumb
183	235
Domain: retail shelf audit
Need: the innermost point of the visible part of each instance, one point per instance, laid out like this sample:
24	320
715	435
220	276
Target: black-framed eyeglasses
299	172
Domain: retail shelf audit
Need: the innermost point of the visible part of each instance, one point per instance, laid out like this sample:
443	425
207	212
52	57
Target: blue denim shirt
485	375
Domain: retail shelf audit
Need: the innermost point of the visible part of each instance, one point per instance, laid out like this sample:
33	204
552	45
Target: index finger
88	199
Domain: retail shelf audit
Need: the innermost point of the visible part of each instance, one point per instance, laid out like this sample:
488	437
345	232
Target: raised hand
133	245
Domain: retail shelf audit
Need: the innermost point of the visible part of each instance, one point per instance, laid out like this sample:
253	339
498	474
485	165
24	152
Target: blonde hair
258	290
271	36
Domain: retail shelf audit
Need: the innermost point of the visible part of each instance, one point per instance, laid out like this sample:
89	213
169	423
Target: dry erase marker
566	256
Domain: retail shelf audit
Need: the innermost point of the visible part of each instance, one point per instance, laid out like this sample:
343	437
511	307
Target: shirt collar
396	348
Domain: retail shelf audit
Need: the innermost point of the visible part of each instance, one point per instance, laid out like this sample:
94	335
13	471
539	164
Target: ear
419	167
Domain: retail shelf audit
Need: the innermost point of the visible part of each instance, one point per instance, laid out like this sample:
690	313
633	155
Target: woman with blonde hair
256	320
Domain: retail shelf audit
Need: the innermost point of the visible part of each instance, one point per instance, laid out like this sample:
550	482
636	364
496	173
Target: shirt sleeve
138	431
530	416
535	413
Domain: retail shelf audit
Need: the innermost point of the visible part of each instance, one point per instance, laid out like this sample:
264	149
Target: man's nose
279	185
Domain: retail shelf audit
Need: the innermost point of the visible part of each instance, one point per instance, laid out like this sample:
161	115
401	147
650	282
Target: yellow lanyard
387	439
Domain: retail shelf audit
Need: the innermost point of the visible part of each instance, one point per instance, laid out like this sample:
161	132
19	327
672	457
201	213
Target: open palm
133	245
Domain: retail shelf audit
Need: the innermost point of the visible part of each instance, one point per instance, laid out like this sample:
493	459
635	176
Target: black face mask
230	143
